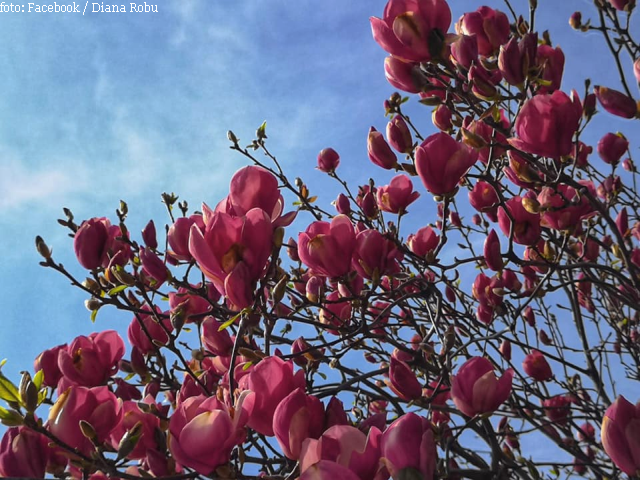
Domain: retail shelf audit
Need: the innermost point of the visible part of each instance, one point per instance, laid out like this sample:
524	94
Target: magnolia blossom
405	29
475	389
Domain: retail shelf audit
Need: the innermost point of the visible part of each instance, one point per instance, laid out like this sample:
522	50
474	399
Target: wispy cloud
22	187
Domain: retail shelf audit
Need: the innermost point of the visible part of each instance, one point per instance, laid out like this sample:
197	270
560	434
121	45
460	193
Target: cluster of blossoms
400	349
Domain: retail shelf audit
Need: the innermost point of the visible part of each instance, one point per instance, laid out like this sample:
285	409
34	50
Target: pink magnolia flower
424	241
408	443
491	28
146	331
399	136
153	266
48	361
96	406
442	118
375	255
203	432
178	236
464	51
563	207
327	248
24	453
91	361
536	366
483	197
441	162
343	205
131	416
402	380
620	435
336	312
616	103
622	5
379	150
483	289
328	160
216	341
612	147
95	243
546	124
400	74
520	171
407	27
255	187
551	63
476	390
492	254
517	57
233	251
91	242
149	235
557	408
483	82
526	229
347	446
397	196
326	470
192	306
297	417
271	380
492	138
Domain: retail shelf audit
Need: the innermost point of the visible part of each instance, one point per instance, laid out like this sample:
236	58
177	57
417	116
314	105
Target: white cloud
21	186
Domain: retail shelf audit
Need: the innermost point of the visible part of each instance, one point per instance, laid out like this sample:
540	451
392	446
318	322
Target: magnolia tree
356	350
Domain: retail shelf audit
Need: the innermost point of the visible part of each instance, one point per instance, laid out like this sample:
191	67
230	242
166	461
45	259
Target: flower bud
575	20
399	136
611	147
505	350
616	103
536	366
343	206
379	150
441	118
149	235
492	255
328	160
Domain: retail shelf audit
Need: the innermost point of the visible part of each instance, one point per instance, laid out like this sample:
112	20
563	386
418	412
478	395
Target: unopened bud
232	137
93	304
575	20
278	291
278	236
123	276
42	248
87	430
28	392
91	284
129	441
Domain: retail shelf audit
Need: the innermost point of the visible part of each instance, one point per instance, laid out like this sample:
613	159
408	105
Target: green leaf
94	314
261	133
8	391
38	379
229	322
10	418
118	289
247	366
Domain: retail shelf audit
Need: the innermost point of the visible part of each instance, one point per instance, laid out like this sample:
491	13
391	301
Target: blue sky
103	107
